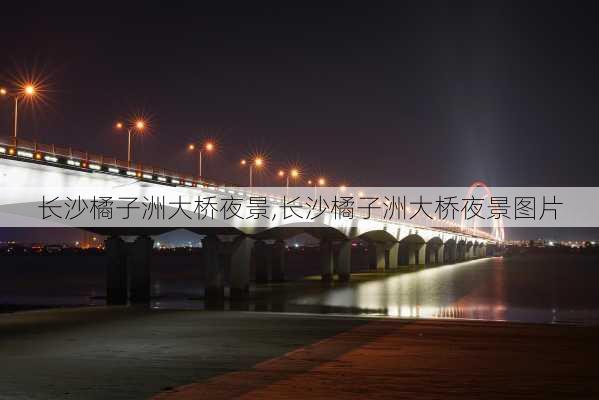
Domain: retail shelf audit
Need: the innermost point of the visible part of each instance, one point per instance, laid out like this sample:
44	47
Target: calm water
544	289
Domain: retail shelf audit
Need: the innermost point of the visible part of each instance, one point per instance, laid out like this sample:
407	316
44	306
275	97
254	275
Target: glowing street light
207	146
317	182
137	126
28	90
258	162
293	173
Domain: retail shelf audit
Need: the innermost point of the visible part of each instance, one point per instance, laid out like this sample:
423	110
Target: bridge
392	244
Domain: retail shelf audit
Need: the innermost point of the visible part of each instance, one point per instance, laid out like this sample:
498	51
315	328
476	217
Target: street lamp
258	162
208	146
138	126
317	182
25	91
293	173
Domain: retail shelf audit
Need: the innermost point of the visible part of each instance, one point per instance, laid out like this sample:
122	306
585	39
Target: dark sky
371	94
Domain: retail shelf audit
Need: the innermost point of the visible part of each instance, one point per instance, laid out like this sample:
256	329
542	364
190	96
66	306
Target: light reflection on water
531	289
544	289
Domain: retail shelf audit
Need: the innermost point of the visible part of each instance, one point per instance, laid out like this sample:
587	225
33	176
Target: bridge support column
261	261
411	255
213	287
393	256
343	266
440	254
240	267
461	252
116	271
141	255
404	254
469	251
483	251
450	253
327	260
380	256
278	254
422	254
372	261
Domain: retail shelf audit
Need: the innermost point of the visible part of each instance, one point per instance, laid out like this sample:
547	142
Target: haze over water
540	289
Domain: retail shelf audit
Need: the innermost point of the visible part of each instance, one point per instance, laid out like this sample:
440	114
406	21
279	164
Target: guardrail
68	157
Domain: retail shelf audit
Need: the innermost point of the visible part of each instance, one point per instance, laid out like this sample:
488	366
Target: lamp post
138	126
317	182
26	91
208	146
258	162
293	173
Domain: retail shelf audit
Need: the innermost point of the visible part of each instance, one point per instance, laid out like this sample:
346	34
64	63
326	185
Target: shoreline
135	353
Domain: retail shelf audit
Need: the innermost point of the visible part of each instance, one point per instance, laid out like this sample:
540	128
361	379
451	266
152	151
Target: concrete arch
434	250
412	250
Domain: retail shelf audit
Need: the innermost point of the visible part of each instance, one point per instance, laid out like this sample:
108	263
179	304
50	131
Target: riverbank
131	353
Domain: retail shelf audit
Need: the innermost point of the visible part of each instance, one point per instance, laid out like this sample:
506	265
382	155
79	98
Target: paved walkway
422	360
120	353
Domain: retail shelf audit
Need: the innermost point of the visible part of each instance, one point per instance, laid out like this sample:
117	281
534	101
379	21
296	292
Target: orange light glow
191	147
3	92
140	125
209	146
119	125
258	161
29	90
281	173
294	173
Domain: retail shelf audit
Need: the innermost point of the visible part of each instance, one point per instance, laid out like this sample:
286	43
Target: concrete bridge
392	244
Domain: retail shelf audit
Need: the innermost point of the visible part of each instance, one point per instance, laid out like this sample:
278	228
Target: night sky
369	94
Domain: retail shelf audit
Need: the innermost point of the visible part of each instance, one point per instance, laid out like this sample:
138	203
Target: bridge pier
213	285
434	252
411	255
380	254
116	271
371	255
141	255
393	256
343	262
461	251
469	251
241	257
421	253
475	250
483	251
450	251
416	253
327	260
261	260
440	254
278	255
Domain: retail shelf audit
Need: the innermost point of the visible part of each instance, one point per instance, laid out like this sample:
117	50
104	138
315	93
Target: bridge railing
33	150
85	158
